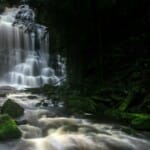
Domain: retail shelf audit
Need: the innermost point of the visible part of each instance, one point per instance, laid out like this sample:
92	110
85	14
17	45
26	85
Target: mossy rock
135	120
141	122
80	104
12	108
8	128
119	116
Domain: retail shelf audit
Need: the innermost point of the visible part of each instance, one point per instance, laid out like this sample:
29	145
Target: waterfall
24	50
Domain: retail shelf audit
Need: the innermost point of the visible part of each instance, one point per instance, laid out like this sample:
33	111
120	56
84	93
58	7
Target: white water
46	131
24	47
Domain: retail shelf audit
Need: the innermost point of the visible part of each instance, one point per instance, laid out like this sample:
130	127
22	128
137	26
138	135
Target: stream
45	127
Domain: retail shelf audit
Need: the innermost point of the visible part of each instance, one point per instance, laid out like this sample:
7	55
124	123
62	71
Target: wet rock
8	128
129	131
141	122
32	97
3	94
45	104
21	122
4	90
135	120
38	104
12	108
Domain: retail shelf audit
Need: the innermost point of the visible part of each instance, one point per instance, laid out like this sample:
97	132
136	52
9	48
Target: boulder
12	108
141	121
135	120
8	128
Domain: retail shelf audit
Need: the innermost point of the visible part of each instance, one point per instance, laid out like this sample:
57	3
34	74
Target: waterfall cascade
24	47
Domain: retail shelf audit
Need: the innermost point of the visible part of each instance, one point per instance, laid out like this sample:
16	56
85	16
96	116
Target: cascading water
24	49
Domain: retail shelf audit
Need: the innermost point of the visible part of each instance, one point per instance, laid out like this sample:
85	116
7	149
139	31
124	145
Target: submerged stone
12	108
32	97
8	128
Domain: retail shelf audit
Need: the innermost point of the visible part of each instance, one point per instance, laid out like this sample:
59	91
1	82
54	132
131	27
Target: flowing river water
46	128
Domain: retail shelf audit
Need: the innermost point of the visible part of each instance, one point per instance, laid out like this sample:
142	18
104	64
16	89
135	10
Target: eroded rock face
12	108
25	17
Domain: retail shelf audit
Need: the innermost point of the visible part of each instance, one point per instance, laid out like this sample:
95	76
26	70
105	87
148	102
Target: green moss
12	108
141	122
80	104
8	128
135	120
126	102
119	116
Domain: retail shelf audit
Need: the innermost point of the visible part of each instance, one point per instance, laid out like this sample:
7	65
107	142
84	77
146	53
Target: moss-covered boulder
119	116
8	128
141	121
12	108
135	120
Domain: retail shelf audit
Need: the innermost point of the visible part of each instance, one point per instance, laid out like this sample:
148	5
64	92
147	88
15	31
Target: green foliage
117	115
126	102
141	121
79	104
8	128
135	120
12	108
